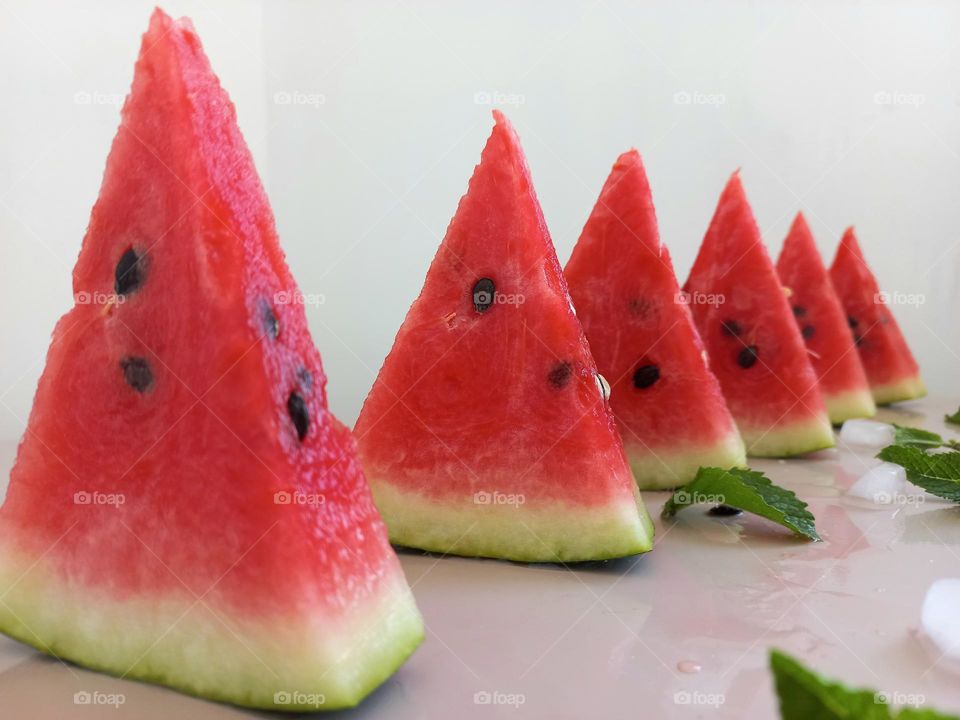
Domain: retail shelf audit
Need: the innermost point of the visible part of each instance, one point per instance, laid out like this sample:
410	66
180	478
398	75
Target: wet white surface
624	639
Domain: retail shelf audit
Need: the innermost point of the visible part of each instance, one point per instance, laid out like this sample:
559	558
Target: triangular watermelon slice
487	432
756	350
184	509
823	326
668	405
891	369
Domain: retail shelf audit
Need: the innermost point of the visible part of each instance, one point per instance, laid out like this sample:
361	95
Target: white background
365	175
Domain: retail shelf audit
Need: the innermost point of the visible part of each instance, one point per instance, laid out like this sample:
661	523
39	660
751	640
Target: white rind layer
789	439
297	663
518	530
845	406
908	389
663	468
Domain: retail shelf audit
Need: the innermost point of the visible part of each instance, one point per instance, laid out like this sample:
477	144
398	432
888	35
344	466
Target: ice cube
939	618
866	433
883	484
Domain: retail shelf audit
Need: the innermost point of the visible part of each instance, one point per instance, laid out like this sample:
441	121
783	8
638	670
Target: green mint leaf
916	437
804	694
909	713
747	490
938	474
955	418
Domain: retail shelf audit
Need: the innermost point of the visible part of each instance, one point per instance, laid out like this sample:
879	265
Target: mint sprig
917	437
953	419
746	490
804	694
938	474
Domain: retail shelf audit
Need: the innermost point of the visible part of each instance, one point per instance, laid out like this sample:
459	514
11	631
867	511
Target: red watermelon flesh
891	369
823	325
669	408
755	347
487	432
184	508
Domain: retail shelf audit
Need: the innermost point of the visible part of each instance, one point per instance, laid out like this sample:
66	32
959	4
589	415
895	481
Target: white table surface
605	641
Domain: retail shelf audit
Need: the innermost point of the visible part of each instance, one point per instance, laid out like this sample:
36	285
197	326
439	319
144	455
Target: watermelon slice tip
184	509
891	369
669	407
756	349
487	432
824	328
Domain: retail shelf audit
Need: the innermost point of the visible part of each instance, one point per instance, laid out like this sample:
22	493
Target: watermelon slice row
487	432
755	347
823	326
184	509
890	367
668	405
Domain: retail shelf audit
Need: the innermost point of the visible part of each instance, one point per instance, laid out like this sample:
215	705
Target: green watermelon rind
558	533
909	388
150	640
664	469
850	404
796	438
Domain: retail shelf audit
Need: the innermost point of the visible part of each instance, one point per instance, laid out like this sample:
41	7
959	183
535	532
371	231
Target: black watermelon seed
808	331
747	357
799	311
298	413
645	376
137	373
724	511
560	375
483	292
640	307
731	328
129	273
852	321
271	325
857	339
